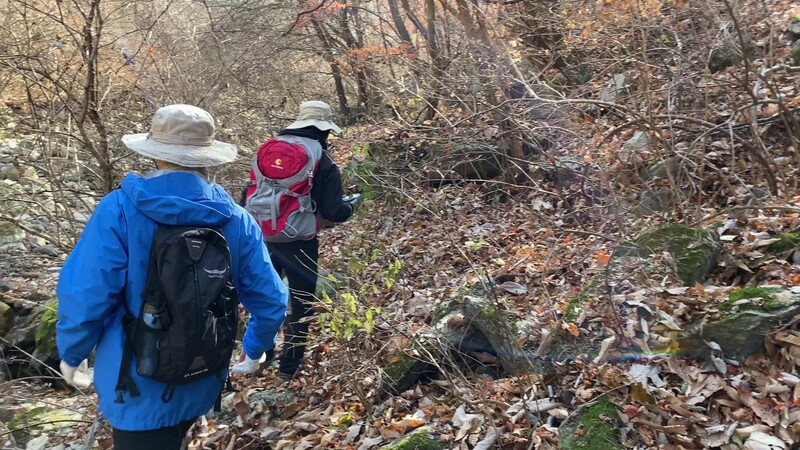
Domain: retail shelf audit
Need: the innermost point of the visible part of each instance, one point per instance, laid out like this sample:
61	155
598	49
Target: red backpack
279	195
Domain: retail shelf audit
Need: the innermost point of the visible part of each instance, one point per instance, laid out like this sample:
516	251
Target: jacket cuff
72	362
251	352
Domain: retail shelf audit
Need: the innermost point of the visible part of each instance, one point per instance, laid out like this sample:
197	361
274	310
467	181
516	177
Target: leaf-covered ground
539	243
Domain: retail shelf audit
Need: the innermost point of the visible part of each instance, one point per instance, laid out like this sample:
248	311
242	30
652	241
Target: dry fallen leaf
513	288
763	441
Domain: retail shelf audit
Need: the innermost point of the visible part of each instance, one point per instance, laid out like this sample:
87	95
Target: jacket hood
178	198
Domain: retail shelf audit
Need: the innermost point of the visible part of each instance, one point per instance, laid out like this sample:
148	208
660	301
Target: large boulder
751	314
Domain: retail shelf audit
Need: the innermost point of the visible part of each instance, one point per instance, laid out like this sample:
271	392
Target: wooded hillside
581	225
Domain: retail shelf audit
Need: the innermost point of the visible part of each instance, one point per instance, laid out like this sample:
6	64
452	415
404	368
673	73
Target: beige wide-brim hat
182	135
317	114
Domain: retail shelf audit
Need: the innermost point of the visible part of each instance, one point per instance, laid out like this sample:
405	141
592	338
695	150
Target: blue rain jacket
109	263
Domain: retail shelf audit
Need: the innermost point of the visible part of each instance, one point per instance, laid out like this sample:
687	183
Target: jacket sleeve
92	282
261	291
327	192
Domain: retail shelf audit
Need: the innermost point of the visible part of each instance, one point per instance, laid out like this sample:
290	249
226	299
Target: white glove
76	376
247	367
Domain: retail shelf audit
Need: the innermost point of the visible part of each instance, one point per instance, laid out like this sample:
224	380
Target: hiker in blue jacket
106	273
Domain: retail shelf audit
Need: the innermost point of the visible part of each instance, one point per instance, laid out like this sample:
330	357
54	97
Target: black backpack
186	327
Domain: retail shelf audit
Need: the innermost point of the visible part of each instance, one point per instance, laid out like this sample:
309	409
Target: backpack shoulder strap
125	381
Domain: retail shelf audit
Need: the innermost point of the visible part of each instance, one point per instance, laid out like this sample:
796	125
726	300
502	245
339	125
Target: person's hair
172	166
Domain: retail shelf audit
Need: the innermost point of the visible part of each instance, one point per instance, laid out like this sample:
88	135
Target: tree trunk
327	53
89	108
399	23
437	66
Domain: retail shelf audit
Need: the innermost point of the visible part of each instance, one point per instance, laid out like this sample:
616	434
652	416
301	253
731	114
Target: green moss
787	241
760	299
575	306
7	228
445	308
418	440
398	369
694	250
596	423
45	333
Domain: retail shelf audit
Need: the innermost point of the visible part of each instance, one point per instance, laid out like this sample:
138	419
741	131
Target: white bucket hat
317	114
182	135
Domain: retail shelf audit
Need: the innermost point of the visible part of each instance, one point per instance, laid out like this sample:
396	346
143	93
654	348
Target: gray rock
614	88
38	443
796	52
13	174
633	149
794	28
5	286
729	53
10	146
655	200
671	167
48	250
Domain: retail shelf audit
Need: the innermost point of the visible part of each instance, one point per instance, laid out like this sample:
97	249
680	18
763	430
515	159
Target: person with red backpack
294	186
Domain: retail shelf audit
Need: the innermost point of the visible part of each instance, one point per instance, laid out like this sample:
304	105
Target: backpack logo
282	176
216	273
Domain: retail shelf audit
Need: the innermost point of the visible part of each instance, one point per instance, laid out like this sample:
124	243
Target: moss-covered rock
694	251
419	439
33	418
753	299
34	335
486	317
592	427
755	312
405	369
45	333
786	242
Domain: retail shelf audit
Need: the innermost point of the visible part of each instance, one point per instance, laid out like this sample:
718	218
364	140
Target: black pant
298	262
167	438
